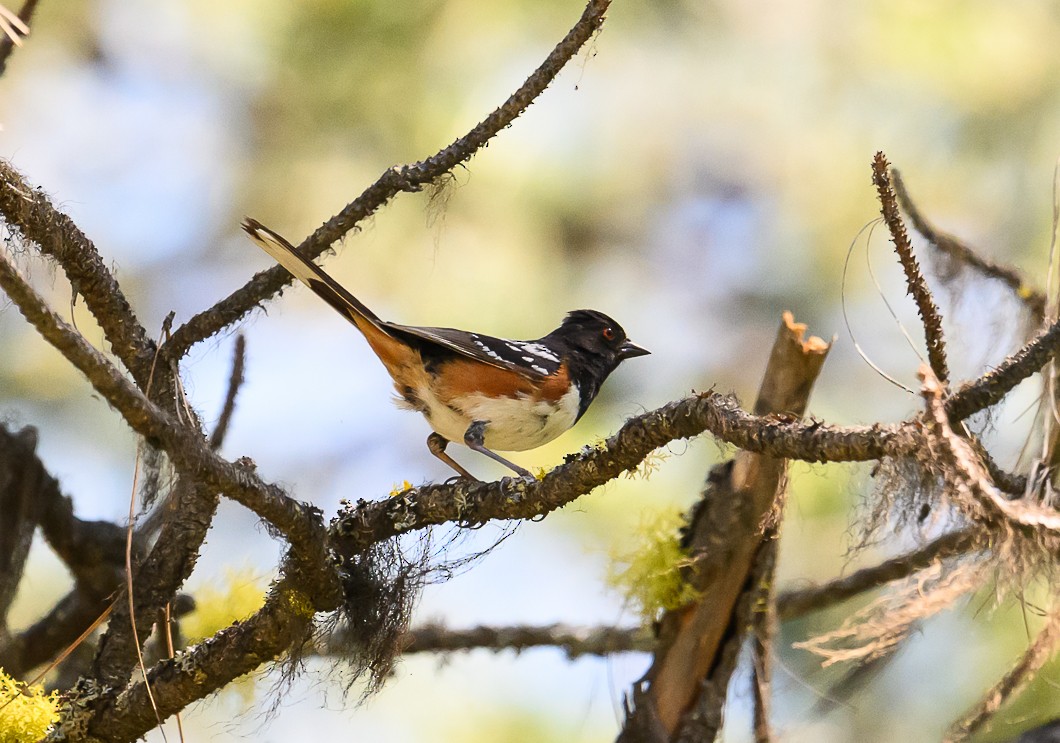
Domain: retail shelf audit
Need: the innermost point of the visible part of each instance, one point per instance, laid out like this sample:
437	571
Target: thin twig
235	381
130	593
1040	651
917	286
408	178
959	251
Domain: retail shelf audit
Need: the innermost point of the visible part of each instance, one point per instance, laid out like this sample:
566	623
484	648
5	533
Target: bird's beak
629	349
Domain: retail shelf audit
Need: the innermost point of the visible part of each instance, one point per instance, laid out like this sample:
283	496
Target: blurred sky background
699	168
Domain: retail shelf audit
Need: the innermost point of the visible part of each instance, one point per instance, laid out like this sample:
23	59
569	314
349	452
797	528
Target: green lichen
649	572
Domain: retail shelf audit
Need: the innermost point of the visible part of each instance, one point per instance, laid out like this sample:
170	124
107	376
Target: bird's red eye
609	334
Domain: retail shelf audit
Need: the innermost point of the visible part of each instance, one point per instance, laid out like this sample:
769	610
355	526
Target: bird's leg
476	434
437	443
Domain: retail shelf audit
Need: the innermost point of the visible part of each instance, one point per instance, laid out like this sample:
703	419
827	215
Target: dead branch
14	27
991	387
956	249
763	633
915	282
976	492
408	178
574	641
1040	651
235	381
876	630
793	604
682	694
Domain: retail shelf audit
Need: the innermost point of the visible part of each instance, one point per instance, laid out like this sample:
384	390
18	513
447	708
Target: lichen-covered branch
126	715
28	211
917	286
991	387
408	178
299	522
976	494
93	551
365	523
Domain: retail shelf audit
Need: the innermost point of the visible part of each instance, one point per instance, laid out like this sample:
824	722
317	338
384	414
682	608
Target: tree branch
235	381
1040	651
29	211
365	523
917	286
792	604
14	27
953	457
126	715
955	248
299	522
408	178
991	387
574	641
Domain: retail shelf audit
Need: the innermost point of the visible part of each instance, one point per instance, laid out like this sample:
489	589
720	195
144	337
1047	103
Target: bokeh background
698	169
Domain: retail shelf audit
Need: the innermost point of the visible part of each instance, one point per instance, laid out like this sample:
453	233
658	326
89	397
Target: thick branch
682	694
918	288
282	623
29	211
365	522
298	521
410	178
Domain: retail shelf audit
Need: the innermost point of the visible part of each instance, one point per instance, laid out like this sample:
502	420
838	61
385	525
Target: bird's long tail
392	352
309	273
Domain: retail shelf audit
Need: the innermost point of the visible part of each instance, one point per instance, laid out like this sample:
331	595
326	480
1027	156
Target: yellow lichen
238	595
401	489
648	571
26	712
649	465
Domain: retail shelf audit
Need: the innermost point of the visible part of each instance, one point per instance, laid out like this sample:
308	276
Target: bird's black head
593	345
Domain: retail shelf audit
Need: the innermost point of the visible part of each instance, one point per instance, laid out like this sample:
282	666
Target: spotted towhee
486	392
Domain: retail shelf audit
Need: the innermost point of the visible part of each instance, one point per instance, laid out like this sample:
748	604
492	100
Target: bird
488	393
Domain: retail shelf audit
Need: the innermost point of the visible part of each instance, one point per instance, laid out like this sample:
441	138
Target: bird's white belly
512	424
